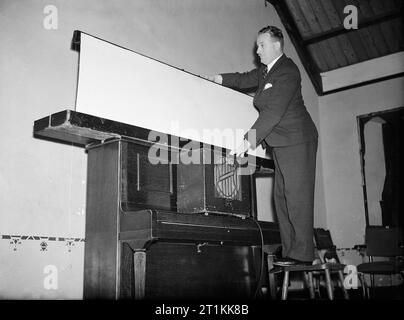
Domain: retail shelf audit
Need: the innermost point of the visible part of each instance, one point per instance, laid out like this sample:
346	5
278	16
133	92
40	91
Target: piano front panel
201	187
143	184
213	185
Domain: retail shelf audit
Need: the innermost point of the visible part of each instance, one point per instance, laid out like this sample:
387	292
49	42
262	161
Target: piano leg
139	263
271	278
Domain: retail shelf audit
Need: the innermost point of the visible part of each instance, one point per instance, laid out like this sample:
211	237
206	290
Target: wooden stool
309	269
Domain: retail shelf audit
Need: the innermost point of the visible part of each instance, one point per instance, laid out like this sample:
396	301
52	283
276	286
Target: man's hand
216	78
242	149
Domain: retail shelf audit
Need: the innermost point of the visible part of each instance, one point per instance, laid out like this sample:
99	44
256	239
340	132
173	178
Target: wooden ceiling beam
341	30
297	40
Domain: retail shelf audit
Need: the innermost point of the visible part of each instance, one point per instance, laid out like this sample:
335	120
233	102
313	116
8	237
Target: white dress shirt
269	66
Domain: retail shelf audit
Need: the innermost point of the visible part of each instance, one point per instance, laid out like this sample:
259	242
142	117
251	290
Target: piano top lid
82	129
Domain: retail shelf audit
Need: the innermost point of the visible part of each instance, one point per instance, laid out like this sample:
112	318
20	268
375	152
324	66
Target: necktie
265	72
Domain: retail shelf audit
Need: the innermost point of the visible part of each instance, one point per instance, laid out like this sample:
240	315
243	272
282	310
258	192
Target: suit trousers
295	170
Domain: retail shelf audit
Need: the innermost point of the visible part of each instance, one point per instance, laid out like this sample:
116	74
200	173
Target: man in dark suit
285	125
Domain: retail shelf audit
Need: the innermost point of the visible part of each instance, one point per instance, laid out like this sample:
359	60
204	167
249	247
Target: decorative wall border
16	240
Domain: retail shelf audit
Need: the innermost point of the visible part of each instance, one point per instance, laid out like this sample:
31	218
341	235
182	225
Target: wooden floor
379	293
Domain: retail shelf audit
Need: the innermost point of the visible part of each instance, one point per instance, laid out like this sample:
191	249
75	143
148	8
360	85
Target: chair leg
370	289
363	285
330	289
285	285
341	279
311	286
317	283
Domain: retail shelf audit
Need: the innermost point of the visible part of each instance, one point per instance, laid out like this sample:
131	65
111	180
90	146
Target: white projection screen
121	85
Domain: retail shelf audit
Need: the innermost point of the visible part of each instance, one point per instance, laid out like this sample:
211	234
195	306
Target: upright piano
159	228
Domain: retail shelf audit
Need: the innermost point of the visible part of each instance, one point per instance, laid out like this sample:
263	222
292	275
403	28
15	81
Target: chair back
383	241
325	245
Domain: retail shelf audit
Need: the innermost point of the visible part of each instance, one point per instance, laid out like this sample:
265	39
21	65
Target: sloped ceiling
316	28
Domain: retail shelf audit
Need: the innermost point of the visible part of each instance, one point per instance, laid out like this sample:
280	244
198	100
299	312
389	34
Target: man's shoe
284	262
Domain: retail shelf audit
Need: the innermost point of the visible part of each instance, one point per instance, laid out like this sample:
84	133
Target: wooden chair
382	242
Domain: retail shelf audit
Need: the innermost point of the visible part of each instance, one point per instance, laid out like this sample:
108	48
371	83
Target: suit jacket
283	118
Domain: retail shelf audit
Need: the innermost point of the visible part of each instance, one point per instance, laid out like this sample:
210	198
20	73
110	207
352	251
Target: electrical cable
259	283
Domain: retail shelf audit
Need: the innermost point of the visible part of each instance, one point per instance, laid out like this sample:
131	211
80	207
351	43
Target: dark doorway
382	159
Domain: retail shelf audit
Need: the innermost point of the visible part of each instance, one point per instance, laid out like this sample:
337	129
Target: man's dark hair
274	32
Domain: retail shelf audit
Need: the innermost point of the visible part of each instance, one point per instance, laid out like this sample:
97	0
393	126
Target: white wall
43	184
340	155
